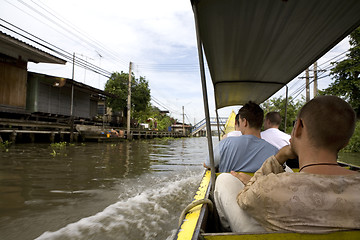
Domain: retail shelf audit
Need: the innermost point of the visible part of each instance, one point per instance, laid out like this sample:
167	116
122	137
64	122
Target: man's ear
246	123
298	128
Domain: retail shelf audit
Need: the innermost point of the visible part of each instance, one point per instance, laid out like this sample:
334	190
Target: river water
125	190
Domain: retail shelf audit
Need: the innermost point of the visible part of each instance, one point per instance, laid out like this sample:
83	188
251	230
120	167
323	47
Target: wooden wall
13	77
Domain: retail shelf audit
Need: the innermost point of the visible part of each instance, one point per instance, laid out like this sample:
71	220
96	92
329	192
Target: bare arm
206	166
284	154
243	177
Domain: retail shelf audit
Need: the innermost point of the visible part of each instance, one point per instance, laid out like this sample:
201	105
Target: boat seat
348	235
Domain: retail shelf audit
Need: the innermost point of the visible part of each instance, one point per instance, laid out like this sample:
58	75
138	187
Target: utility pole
72	87
128	134
86	64
307	86
72	103
315	80
183	121
286	107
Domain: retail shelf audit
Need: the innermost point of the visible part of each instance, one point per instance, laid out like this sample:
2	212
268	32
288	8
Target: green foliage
141	109
5	145
53	153
354	143
59	145
278	105
346	75
163	121
118	86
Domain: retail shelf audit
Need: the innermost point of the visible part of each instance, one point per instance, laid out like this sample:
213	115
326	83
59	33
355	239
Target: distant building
178	127
23	92
61	96
14	57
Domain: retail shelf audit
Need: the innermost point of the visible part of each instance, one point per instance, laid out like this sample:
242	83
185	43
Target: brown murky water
126	190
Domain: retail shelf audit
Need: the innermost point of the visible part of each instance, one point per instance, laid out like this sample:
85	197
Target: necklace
313	164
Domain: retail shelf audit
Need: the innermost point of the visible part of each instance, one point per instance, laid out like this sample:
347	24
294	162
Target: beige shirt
301	202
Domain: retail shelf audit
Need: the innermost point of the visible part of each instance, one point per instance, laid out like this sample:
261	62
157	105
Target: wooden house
24	92
61	96
14	57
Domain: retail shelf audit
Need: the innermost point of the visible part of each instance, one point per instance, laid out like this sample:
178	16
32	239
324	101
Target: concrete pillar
129	135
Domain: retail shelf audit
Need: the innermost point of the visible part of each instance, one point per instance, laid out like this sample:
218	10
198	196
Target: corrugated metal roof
63	81
15	48
253	48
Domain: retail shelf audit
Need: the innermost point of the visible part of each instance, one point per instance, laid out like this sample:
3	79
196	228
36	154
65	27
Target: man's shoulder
255	141
274	131
270	130
239	141
234	139
266	144
234	134
269	146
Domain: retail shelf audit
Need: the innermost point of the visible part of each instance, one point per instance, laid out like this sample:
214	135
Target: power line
78	61
91	42
71	34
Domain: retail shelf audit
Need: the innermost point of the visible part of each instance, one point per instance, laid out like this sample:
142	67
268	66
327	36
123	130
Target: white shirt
233	134
276	137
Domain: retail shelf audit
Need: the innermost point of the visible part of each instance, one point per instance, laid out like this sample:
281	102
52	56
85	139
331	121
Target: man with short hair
271	132
247	152
321	197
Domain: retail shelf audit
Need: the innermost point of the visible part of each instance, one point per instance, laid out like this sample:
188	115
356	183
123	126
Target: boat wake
152	213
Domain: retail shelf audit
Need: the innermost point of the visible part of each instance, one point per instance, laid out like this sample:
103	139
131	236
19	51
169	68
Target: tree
346	75
118	85
278	105
152	112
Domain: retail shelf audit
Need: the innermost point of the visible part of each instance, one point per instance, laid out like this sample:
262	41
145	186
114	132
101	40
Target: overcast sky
158	36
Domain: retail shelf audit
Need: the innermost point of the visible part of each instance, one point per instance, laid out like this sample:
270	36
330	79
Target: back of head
274	118
330	122
253	114
237	119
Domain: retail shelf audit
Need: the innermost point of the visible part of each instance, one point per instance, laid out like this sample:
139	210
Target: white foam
144	214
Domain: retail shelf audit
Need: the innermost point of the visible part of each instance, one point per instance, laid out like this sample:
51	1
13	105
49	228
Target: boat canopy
254	48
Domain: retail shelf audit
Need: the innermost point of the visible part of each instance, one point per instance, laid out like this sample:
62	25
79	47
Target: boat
230	124
253	49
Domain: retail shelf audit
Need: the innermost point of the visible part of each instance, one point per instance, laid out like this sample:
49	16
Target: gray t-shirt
245	153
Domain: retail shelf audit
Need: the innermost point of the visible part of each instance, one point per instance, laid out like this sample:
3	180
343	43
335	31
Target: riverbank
33	131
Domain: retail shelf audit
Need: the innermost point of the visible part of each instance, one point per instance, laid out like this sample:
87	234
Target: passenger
277	138
237	131
271	132
247	152
322	197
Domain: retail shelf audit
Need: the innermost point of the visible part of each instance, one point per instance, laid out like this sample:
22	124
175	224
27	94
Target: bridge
213	122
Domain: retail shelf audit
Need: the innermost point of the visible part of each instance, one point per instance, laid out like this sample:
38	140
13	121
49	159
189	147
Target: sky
157	36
